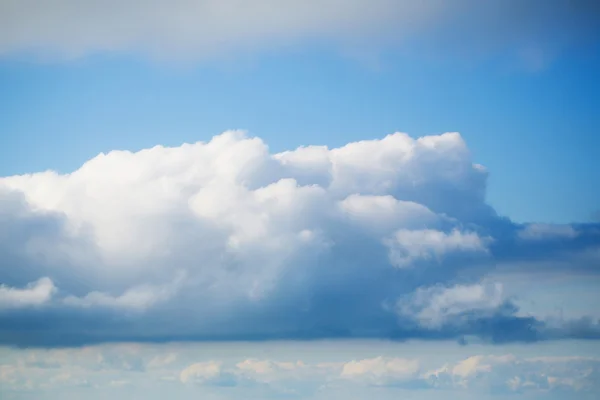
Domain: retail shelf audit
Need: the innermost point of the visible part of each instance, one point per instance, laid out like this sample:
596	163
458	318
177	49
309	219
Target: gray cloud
195	29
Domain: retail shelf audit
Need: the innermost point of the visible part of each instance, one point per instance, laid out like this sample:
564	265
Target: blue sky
299	199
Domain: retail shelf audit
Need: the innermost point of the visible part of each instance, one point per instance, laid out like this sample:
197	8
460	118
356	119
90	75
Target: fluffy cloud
223	240
202	28
381	371
406	246
435	306
202	372
508	373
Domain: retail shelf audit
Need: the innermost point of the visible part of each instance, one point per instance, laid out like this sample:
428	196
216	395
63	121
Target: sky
327	199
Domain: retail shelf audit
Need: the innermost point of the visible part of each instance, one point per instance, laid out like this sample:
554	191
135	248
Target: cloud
500	373
436	306
136	298
265	367
162	360
202	372
470	367
383	213
508	373
223	240
252	373
533	31
34	294
407	246
381	371
271	371
547	231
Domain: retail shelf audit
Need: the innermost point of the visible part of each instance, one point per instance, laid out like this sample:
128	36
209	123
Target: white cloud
408	246
34	294
200	372
381	370
383	213
270	370
437	305
518	374
245	242
251	371
471	366
229	201
262	367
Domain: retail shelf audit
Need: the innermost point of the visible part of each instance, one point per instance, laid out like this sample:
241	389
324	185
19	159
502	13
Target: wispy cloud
118	366
196	29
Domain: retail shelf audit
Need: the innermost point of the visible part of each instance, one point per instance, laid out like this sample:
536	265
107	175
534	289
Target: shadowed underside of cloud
223	240
532	30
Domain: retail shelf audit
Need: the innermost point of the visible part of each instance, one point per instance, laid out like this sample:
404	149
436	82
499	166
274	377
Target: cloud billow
223	240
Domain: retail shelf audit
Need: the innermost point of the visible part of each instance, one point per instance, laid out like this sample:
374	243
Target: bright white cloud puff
223	240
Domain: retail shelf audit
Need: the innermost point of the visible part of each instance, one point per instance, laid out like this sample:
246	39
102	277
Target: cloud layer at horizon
534	31
223	240
192	370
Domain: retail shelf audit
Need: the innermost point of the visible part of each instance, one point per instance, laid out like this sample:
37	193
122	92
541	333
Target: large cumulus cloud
223	240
